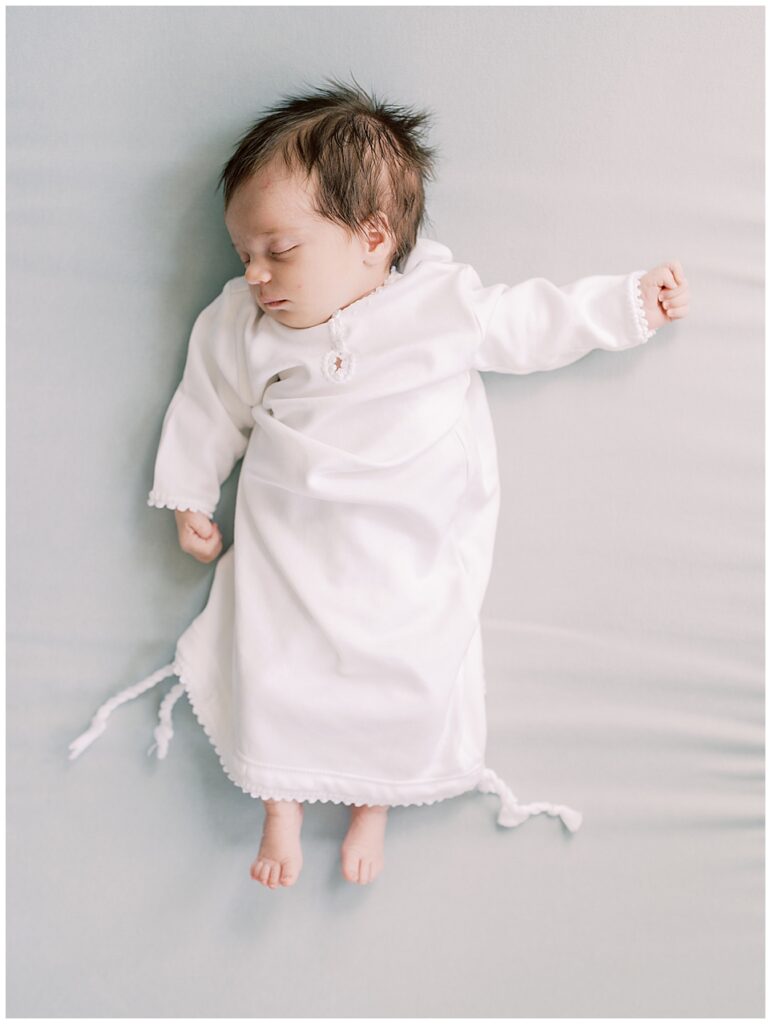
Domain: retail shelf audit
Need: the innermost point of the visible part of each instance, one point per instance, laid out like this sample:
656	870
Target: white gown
339	656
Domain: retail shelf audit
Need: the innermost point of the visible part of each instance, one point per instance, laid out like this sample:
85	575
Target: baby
339	656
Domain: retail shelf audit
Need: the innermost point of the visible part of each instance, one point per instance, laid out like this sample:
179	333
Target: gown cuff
638	306
158	500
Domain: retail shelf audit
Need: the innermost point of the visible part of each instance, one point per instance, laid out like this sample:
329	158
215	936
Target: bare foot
280	857
362	851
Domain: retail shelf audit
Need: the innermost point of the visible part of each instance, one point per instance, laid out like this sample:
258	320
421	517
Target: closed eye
283	252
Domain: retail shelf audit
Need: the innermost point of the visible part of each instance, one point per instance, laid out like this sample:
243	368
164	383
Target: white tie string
163	731
513	813
99	721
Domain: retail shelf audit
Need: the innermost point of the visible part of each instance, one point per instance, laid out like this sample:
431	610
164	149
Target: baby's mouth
276	304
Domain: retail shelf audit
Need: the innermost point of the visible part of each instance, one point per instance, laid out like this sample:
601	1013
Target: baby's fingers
676	307
674	293
207	551
199	525
674	301
664	277
677	271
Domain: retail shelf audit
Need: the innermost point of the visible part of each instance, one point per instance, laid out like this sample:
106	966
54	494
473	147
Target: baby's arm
206	428
536	325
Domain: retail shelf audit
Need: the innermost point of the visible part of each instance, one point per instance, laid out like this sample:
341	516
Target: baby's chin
300	320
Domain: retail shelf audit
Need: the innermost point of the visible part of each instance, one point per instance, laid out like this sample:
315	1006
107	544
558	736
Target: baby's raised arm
536	325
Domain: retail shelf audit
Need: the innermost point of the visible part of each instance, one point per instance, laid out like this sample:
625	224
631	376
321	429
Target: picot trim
157	500
511	814
638	306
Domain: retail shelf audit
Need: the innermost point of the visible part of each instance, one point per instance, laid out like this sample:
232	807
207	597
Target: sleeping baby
339	656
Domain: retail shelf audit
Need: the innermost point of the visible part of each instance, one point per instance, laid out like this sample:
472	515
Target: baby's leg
362	852
280	857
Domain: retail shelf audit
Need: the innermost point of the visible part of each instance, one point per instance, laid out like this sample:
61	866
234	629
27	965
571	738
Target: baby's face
300	266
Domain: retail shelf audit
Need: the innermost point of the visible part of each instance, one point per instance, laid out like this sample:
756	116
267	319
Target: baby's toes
262	871
351	863
274	875
375	867
288	875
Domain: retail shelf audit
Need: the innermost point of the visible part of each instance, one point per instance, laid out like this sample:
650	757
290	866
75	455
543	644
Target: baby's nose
257	275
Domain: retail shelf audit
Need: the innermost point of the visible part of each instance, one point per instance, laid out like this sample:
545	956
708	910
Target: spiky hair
367	157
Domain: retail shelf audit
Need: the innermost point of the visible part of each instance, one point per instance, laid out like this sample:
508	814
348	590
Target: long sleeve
208	422
537	325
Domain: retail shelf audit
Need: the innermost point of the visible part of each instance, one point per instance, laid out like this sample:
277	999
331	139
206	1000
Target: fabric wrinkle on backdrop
623	621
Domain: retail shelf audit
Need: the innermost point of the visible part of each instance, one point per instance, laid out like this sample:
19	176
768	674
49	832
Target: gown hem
512	812
357	793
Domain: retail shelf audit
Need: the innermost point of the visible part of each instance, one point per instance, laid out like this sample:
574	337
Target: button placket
338	363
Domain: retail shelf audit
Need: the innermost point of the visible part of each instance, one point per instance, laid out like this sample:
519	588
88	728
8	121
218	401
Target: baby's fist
665	294
199	536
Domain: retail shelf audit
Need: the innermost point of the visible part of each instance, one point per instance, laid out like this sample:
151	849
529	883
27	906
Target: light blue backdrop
623	625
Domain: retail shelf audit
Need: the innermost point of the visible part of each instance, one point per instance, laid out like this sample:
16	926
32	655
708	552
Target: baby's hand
665	294
199	536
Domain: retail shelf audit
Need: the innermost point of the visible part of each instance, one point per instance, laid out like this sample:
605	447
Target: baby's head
323	195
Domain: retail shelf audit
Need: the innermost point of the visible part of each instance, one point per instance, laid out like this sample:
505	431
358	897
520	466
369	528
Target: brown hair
369	157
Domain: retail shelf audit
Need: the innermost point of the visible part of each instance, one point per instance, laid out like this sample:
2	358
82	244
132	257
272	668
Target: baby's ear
378	240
